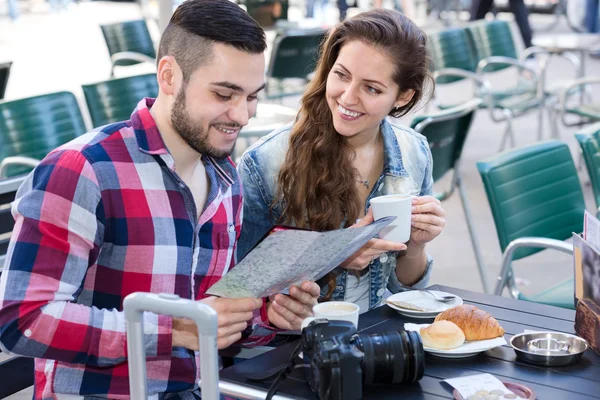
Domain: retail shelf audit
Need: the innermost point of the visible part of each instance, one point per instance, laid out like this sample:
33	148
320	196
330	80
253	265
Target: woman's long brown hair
317	182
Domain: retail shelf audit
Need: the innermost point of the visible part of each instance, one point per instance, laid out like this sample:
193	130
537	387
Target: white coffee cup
334	310
396	205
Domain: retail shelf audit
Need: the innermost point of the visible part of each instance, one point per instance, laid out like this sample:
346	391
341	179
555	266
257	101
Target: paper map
291	257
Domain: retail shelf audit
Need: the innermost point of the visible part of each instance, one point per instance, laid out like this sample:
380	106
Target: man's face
218	100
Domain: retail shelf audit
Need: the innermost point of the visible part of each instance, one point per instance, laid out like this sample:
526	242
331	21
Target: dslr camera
341	361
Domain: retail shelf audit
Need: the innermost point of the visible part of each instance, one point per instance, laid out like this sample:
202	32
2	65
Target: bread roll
475	323
443	335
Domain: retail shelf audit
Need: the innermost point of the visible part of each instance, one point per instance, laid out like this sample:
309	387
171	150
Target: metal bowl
548	348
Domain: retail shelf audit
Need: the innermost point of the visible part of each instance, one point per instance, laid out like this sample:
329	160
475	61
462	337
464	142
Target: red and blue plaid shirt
101	217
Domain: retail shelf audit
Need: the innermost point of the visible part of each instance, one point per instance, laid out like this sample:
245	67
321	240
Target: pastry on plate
474	322
442	335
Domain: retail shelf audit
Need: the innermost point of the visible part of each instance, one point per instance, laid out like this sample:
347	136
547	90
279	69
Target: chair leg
508	132
553	118
503	142
541	123
580	161
472	233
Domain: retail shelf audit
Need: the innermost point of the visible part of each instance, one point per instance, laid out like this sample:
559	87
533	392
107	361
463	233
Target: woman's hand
373	248
428	219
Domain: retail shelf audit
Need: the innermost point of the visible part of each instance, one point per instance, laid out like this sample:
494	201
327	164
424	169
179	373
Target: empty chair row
31	127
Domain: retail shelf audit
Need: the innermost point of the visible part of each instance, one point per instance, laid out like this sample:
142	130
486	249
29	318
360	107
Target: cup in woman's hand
399	206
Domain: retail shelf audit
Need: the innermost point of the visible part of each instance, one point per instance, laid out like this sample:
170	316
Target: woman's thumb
366	220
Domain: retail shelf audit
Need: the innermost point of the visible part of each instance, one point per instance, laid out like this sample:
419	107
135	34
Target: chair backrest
533	191
589	141
16	372
128	36
451	48
8	191
446	133
34	126
114	100
4	74
295	54
492	38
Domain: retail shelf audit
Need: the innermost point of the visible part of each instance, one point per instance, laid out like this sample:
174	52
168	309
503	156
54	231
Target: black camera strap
283	374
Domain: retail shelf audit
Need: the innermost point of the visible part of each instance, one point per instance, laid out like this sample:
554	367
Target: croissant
475	323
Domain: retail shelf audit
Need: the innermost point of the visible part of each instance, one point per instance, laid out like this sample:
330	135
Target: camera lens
391	357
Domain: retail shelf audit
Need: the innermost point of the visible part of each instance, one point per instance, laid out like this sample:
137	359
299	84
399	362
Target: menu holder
586	261
587	323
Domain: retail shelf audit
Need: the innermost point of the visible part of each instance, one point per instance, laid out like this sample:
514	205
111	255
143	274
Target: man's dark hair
197	24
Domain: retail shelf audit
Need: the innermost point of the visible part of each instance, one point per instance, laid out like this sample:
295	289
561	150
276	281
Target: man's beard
192	132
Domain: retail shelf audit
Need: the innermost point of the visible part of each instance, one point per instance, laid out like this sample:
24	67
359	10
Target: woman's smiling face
360	89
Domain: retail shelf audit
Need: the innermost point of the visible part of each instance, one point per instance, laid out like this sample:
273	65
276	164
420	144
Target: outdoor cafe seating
504	167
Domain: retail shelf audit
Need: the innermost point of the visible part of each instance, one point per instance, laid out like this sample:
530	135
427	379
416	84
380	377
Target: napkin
467	347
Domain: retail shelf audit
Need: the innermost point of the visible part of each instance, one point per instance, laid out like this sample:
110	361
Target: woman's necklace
365	182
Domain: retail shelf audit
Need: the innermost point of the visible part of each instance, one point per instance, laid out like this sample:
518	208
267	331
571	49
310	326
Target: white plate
425	300
468	349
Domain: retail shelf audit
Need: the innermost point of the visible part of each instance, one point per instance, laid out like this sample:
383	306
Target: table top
578	381
568	41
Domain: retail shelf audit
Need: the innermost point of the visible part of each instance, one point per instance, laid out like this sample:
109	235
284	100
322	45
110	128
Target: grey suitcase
206	320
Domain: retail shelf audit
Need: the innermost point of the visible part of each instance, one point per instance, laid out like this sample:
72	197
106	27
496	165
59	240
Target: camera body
335	362
342	361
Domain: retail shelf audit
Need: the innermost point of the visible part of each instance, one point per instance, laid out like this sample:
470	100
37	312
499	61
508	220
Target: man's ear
166	75
404	98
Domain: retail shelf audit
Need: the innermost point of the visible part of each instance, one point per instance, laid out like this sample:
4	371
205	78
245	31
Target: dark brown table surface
578	381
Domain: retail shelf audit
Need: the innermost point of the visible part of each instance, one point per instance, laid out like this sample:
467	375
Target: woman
321	172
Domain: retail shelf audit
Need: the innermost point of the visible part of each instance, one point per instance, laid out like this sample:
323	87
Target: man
151	204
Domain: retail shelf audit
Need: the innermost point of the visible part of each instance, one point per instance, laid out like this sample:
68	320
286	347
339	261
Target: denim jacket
406	170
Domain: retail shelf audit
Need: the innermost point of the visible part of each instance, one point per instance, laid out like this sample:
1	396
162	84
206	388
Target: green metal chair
495	50
589	141
114	100
31	127
8	191
4	74
456	57
570	105
294	55
446	133
128	43
537	203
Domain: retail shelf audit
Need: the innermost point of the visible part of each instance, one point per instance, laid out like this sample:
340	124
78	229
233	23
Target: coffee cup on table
334	311
394	205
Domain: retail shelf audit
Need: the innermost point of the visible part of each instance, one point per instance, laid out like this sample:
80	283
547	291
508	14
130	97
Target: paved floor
63	50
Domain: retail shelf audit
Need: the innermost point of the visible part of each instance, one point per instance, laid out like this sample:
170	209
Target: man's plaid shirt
101	217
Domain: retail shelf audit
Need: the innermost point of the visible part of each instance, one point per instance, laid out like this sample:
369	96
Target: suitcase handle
203	315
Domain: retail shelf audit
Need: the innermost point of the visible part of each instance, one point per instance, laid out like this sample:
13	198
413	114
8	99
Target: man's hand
288	312
233	315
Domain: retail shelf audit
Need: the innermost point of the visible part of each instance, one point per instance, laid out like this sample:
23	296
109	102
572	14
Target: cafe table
580	43
577	381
